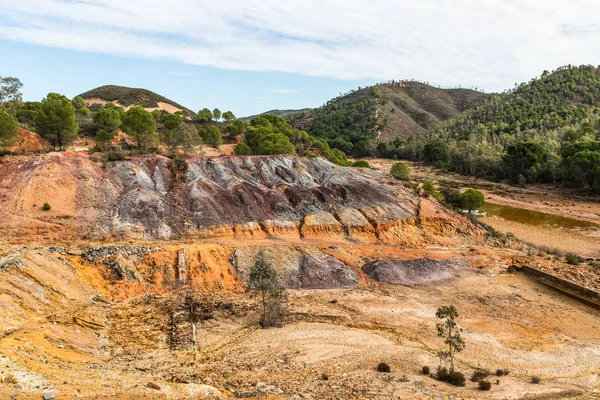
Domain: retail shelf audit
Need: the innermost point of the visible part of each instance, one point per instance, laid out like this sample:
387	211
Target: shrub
46	207
325	377
479	375
555	252
242	149
454	378
361	164
115	155
425	370
502	372
572	259
484	385
383	367
536	379
400	171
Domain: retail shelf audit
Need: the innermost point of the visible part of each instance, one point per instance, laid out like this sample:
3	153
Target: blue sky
43	70
254	55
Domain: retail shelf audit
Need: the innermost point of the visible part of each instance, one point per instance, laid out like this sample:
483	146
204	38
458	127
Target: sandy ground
508	320
542	198
171	109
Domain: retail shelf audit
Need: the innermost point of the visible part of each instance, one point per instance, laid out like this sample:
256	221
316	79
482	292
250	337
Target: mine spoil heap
102	293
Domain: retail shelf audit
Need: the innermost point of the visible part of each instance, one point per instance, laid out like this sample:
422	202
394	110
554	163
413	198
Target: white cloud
489	43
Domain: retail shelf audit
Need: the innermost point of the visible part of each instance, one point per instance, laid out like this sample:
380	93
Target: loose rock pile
94	253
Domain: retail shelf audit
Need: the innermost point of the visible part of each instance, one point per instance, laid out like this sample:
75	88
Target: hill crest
127	97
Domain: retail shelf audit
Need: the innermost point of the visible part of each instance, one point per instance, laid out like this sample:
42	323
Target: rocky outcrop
229	198
413	272
321	271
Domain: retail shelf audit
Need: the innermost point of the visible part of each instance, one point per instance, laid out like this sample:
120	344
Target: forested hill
126	96
357	121
546	130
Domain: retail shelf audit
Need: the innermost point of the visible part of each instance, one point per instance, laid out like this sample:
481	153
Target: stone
49	396
153	385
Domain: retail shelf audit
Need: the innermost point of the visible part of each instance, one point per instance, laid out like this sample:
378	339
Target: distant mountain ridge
127	96
357	121
281	113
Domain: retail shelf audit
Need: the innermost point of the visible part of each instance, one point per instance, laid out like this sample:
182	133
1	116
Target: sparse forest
546	130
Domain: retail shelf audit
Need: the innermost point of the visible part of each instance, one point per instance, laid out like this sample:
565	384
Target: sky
251	56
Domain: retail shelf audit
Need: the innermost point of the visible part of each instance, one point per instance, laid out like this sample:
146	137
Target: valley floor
78	332
546	199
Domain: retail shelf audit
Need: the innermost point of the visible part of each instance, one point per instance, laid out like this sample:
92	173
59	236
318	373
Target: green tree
436	151
450	332
184	135
276	143
172	121
116	107
78	103
204	115
10	91
107	119
216	114
140	125
240	125
157	114
211	135
242	149
400	171
232	130
584	169
228	116
26	113
263	282
55	120
9	129
524	158
471	199
104	137
84	111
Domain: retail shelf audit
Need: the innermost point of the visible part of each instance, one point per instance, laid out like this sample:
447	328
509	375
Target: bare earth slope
93	291
225	197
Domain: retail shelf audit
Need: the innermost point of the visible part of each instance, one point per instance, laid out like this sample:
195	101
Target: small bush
484	385
454	378
383	367
115	155
46	207
554	252
242	149
426	370
400	171
361	164
572	259
536	379
325	377
502	372
479	375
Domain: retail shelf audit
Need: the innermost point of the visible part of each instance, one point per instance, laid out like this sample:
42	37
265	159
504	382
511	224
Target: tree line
61	120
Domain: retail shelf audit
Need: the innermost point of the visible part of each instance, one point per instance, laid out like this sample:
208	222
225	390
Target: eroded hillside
94	291
206	197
